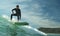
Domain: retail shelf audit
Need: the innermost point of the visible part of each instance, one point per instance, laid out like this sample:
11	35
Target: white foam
8	18
36	30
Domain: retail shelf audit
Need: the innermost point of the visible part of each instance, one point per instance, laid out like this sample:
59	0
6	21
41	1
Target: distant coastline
49	30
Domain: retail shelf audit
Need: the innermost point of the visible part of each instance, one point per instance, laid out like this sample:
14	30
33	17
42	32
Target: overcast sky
39	13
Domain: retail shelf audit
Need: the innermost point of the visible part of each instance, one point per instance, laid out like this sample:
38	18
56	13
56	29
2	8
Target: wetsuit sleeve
13	10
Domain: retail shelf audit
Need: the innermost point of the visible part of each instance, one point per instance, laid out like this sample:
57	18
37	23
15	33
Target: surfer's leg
11	16
18	18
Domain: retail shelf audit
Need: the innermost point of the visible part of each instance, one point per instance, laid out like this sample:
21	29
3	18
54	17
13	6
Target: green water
9	29
52	34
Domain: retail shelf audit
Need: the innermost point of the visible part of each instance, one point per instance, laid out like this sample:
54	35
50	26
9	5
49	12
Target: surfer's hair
17	5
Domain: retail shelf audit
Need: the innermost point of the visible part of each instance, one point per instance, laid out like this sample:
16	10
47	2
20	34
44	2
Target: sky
38	13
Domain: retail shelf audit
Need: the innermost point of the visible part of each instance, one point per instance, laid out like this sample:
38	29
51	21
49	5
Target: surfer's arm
13	10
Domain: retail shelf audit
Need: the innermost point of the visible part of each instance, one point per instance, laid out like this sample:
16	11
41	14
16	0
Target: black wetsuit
18	13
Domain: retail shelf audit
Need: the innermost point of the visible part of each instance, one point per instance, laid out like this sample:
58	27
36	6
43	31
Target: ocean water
9	29
52	34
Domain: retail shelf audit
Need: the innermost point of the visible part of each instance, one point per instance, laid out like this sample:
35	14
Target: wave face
9	29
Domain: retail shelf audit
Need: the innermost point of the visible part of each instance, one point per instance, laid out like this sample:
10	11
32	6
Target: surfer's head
17	6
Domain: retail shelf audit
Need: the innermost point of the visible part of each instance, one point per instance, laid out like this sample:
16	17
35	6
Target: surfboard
21	23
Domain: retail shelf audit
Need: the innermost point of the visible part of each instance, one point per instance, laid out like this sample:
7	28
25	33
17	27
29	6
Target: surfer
17	13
